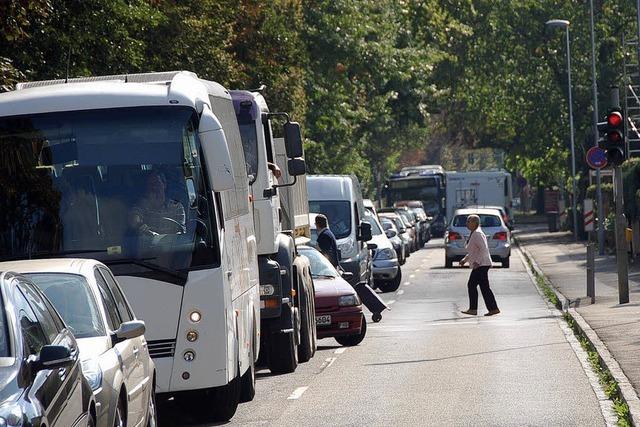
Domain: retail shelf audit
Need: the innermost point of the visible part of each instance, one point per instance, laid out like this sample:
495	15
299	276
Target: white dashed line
411	276
391	302
340	350
297	393
400	292
407	283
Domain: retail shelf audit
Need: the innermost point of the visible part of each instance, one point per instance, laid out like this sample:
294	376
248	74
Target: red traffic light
614	136
614	119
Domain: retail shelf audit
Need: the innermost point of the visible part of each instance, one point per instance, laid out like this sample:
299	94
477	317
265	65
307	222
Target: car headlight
348	300
92	372
11	415
347	249
386	253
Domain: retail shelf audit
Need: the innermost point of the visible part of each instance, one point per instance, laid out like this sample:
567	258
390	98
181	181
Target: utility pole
594	88
621	222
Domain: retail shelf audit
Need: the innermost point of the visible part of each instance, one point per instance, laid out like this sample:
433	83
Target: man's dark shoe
493	312
470	312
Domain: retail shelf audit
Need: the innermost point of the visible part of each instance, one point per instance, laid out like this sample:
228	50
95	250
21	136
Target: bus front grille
161	348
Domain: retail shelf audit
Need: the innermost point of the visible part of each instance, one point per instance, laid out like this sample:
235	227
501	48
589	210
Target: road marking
407	283
417	270
391	302
297	393
411	276
340	350
400	292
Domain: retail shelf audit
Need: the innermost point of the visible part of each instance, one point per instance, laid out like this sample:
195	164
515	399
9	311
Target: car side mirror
129	330
297	166
293	140
54	357
346	275
390	233
365	232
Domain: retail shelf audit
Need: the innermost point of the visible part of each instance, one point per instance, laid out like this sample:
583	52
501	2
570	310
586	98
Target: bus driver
155	214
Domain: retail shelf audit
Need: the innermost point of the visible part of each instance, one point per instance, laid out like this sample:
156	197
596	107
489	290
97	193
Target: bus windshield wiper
143	262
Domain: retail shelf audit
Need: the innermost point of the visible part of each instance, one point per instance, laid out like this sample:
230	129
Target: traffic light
613	139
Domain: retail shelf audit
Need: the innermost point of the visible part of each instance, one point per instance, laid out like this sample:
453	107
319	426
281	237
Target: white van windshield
338	213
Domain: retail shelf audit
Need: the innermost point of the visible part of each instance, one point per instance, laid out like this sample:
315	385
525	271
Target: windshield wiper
323	276
143	262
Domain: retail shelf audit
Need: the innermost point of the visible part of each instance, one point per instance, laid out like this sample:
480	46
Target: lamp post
563	24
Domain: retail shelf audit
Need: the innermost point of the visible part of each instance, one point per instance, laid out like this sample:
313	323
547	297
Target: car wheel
505	262
391	285
120	420
352	340
448	262
152	413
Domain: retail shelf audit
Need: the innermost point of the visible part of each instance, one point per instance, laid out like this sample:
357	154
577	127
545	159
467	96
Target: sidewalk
563	262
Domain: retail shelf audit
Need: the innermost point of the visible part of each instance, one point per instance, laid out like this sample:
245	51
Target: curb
606	360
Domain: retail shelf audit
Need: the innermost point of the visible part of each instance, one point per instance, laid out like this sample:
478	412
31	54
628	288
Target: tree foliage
369	80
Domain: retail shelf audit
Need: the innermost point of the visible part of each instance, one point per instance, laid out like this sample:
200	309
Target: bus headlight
195	316
192	336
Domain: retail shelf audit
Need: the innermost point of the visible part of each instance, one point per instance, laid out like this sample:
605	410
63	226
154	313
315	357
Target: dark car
338	307
41	380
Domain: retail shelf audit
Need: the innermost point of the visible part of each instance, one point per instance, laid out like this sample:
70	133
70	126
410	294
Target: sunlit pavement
426	363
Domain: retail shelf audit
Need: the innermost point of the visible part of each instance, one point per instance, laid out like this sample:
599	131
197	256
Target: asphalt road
426	364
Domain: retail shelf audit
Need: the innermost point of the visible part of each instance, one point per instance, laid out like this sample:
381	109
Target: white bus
145	173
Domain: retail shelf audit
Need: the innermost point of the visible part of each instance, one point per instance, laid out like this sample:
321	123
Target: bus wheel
248	381
220	403
283	354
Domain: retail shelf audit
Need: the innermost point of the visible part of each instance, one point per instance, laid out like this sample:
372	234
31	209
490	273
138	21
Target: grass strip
608	383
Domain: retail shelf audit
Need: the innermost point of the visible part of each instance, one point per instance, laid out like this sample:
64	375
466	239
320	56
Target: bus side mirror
216	151
293	140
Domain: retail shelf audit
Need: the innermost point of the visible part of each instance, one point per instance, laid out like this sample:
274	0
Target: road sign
596	158
588	215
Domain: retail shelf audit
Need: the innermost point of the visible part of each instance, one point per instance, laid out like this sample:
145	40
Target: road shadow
459	356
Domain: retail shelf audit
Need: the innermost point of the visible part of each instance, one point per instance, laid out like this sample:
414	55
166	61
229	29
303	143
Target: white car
387	275
113	349
491	222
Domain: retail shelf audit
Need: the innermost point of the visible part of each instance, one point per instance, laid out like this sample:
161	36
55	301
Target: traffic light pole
621	223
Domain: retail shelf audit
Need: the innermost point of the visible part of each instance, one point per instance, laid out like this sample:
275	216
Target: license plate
323	320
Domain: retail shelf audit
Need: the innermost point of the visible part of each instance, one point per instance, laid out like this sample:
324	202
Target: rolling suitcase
371	300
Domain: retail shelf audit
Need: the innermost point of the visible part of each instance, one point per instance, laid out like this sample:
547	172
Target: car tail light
454	236
501	235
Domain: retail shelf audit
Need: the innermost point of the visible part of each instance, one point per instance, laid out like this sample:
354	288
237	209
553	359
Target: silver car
491	222
387	274
113	350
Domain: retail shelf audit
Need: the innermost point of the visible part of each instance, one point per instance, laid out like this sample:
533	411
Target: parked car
370	206
42	379
409	222
338	307
393	235
491	222
339	198
504	212
421	220
113	349
407	240
387	275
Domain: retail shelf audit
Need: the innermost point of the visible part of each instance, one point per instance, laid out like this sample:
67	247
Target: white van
339	198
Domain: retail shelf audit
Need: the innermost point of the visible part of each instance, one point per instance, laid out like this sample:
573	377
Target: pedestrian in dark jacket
326	240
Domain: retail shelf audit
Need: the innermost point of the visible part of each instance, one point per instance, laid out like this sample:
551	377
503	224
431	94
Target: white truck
481	188
145	173
280	215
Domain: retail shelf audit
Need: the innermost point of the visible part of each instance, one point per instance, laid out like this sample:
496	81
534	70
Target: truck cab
286	288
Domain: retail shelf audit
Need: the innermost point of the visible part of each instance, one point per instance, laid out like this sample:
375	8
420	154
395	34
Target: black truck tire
283	354
306	349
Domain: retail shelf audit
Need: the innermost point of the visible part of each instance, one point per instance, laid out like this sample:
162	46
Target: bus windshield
124	186
423	189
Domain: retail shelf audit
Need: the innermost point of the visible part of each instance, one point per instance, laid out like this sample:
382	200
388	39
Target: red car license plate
323	320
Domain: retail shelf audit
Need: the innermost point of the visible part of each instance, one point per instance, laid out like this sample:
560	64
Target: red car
338	307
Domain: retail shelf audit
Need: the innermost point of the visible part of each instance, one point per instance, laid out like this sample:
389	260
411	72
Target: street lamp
563	24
